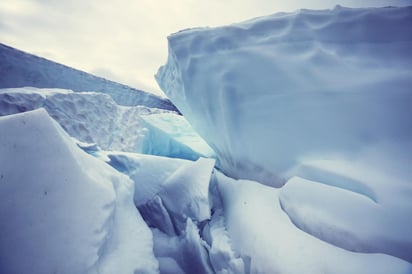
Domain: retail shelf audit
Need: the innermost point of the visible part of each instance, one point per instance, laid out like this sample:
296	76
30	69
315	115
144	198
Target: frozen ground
308	115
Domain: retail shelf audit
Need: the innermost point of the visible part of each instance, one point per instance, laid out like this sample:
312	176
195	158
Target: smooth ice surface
90	117
310	84
169	134
62	210
264	236
20	69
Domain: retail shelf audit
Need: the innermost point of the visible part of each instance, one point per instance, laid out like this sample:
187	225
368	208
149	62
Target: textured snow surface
310	84
61	210
94	117
20	69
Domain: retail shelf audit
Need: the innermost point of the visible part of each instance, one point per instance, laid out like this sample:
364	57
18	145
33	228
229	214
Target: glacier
20	69
293	156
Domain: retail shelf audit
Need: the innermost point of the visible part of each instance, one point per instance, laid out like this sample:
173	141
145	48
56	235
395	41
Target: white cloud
127	37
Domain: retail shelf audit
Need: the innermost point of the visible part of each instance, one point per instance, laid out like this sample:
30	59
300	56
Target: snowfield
294	155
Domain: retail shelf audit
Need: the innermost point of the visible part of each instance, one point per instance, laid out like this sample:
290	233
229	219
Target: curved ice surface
324	200
310	84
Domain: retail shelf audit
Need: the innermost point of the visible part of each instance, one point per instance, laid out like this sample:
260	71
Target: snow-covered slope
61	210
20	69
272	91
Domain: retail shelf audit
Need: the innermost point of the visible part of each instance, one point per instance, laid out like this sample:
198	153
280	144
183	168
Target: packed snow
304	166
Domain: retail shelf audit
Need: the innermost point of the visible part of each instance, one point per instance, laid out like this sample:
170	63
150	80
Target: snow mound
169	134
277	246
20	69
62	210
352	205
270	91
90	117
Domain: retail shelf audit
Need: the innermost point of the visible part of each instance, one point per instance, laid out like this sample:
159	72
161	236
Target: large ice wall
268	93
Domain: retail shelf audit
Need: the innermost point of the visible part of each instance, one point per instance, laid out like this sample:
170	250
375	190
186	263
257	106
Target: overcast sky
125	40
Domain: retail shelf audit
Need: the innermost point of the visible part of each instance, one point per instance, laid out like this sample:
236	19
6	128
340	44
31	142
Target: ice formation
311	107
318	102
272	91
169	134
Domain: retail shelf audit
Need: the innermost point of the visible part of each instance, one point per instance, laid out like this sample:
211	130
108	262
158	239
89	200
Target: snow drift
262	232
272	91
